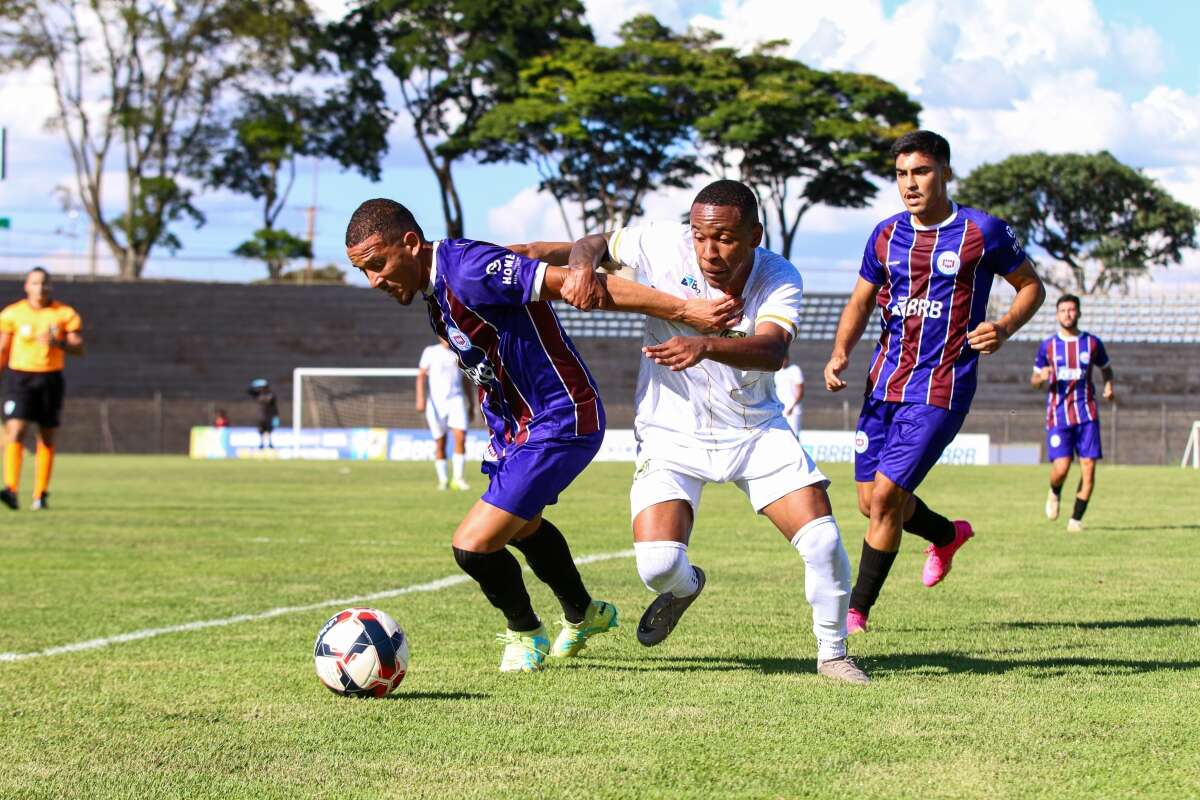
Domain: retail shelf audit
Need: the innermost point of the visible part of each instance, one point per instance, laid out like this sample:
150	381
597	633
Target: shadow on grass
1107	624
400	694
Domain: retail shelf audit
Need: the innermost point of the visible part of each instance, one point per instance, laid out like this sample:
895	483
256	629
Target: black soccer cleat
664	614
9	498
41	503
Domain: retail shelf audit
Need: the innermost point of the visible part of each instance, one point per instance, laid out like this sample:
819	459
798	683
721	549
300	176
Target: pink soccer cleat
937	566
856	622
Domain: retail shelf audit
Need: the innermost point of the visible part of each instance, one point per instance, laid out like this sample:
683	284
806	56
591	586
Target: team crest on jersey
691	283
861	440
458	339
1085	357
948	263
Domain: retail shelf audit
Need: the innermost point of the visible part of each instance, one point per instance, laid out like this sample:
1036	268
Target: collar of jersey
428	290
953	214
1066	337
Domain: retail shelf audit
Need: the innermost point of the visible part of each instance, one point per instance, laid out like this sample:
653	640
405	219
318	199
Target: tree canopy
1103	223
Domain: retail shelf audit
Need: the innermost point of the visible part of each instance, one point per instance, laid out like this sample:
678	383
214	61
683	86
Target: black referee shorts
34	396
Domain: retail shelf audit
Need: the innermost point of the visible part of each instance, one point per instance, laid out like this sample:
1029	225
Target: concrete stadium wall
161	356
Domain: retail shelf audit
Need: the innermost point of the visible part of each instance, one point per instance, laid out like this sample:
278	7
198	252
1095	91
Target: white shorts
767	467
450	414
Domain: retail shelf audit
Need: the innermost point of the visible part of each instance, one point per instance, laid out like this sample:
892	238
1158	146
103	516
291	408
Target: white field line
148	633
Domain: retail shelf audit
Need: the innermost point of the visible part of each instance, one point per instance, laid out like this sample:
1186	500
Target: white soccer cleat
459	485
1074	525
1051	505
442	486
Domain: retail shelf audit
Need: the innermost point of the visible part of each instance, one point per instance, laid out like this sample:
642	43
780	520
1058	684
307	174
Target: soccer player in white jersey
445	407
707	411
789	385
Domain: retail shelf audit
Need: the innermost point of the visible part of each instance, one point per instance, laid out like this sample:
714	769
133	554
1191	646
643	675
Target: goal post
352	397
1192	451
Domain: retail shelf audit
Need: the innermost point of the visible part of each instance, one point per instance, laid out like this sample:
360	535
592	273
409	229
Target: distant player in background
35	335
789	385
221	420
268	411
440	397
929	269
539	401
1064	365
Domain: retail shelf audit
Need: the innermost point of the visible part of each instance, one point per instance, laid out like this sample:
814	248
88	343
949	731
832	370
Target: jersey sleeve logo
948	263
505	267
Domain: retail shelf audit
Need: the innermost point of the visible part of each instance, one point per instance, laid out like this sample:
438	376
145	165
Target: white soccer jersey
787	380
445	382
709	405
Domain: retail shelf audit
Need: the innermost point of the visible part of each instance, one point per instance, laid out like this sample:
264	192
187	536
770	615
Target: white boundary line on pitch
148	633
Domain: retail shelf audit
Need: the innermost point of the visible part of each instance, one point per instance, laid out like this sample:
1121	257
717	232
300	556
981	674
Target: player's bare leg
439	462
44	465
459	460
805	518
1059	468
661	533
1087	481
14	453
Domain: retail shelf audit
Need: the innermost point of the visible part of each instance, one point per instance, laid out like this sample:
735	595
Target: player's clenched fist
987	337
833	372
712	316
582	289
678	352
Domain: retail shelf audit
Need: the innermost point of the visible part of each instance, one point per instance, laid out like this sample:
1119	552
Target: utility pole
312	225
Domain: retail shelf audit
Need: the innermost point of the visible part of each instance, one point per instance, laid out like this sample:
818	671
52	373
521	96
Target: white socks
456	460
826	583
439	464
664	567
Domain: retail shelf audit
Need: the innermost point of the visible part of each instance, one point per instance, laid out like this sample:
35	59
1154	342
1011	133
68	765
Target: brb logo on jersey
917	306
691	283
948	263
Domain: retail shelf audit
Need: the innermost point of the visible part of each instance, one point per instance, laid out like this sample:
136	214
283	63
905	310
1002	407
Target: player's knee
819	540
662	565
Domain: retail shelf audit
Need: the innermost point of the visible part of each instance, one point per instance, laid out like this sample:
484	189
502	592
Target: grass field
1048	665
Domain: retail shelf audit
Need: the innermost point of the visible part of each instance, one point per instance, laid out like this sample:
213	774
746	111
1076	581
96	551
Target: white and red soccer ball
361	652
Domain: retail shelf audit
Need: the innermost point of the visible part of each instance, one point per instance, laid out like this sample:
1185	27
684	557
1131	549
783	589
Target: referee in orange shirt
35	335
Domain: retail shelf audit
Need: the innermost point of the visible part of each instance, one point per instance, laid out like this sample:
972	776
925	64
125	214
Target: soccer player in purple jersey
929	270
539	401
1064	364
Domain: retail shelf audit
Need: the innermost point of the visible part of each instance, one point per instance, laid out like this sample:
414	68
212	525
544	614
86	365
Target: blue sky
996	77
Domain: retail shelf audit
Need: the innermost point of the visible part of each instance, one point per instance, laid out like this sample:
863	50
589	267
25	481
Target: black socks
1056	489
1080	508
873	569
499	576
929	525
549	557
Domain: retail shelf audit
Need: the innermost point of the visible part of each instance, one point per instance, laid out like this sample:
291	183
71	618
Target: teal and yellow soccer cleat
573	637
524	651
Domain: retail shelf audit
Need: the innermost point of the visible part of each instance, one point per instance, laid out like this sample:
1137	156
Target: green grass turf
1048	665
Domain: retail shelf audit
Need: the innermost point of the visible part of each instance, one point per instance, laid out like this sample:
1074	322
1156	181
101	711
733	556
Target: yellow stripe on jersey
782	322
614	244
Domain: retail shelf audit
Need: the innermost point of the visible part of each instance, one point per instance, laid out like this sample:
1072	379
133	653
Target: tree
454	60
1105	223
802	137
145	81
605	126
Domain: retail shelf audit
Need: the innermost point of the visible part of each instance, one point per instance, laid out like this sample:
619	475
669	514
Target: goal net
347	397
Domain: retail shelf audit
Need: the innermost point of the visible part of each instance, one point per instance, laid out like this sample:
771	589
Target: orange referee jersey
26	323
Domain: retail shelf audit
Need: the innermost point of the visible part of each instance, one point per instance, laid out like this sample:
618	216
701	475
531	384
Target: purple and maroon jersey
933	288
484	300
1071	398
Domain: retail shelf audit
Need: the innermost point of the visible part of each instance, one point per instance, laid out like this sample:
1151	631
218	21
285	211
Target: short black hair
1068	298
927	142
45	272
385	217
730	193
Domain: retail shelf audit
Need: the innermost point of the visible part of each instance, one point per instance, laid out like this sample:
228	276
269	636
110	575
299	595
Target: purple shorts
1082	440
529	477
902	440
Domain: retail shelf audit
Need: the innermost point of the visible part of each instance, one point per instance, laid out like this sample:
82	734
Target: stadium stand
161	356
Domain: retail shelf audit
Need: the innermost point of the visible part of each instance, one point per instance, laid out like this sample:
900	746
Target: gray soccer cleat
843	669
664	613
1051	504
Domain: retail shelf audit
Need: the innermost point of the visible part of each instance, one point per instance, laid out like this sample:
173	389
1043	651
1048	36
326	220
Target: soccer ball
361	652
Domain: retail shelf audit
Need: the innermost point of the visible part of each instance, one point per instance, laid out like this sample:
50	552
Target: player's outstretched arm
706	316
556	254
851	325
764	351
989	336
